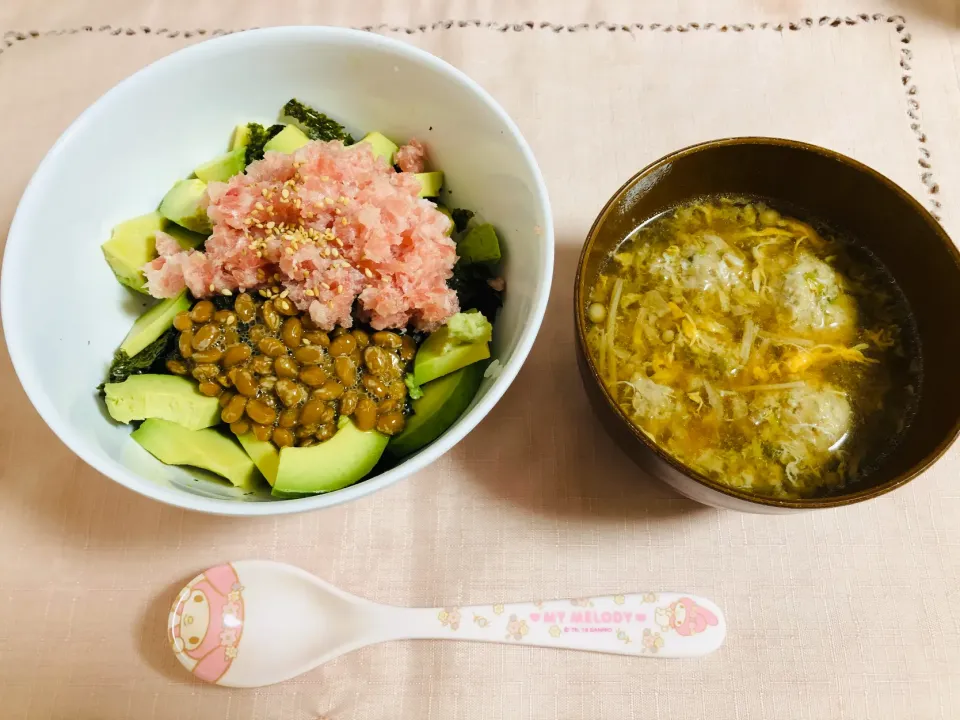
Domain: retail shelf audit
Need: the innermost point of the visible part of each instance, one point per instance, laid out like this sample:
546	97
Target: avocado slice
185	204
382	146
265	455
479	245
208	449
441	355
223	167
187	239
446	211
430	183
443	401
131	246
287	140
241	136
342	460
153	323
167	397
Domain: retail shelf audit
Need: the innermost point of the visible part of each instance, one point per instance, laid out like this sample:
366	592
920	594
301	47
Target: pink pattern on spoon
207	621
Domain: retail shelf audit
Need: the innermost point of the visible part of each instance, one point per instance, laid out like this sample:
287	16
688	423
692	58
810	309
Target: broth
766	353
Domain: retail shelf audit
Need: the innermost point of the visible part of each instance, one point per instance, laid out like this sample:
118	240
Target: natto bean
282	437
234	409
182	321
286	367
202	311
308	354
313	376
272	347
236	354
260	412
343	345
292	332
245	308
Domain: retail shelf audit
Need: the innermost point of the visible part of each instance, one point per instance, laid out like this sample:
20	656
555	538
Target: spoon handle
668	625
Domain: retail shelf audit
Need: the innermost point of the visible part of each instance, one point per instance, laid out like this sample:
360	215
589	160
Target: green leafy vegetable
415	392
259	135
316	125
461	218
154	354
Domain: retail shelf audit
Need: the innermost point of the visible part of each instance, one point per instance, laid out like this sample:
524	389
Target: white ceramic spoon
255	622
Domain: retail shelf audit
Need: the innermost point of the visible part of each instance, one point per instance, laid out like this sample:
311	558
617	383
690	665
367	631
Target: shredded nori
152	357
315	124
471	283
259	135
461	218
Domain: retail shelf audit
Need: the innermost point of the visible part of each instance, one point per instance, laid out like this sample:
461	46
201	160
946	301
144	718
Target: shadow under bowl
854	201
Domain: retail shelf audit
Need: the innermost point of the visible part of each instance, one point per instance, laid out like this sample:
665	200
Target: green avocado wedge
265	455
185	204
382	146
443	402
132	245
430	183
286	141
343	460
165	397
208	449
439	356
154	323
223	167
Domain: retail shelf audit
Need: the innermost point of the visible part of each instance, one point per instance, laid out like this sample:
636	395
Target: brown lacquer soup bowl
854	201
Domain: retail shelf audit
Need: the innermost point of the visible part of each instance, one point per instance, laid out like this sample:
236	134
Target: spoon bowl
256	622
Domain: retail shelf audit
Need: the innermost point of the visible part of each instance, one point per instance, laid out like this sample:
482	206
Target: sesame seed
259	206
289	250
329	200
264	192
343	221
284	193
367	272
284	293
324	286
305	341
339	289
308	292
297	203
335	252
336	211
226	292
338	241
259	226
248	221
276	277
212	287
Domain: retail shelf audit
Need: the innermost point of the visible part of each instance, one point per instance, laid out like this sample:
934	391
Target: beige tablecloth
846	614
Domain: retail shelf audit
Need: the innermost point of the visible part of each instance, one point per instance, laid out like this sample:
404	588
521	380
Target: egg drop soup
763	352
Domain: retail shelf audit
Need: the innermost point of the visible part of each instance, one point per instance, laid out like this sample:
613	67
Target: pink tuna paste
327	225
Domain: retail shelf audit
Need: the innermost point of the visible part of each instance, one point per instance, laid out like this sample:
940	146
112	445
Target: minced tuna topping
326	226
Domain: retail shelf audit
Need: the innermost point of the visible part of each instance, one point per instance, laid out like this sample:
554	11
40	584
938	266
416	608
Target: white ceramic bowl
121	155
